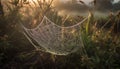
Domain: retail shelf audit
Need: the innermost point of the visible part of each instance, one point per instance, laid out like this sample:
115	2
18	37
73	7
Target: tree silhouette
104	5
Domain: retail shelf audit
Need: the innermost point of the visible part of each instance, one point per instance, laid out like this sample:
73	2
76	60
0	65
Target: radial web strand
54	38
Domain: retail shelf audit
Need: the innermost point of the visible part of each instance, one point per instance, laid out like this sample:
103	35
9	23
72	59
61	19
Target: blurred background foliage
101	38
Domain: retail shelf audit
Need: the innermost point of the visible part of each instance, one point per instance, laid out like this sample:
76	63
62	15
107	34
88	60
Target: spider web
54	38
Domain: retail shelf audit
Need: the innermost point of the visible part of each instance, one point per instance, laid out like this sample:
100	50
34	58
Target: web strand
56	39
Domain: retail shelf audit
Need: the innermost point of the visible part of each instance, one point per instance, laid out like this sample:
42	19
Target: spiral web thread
54	38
